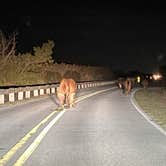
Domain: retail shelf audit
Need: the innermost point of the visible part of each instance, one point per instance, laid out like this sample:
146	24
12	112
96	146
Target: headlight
157	76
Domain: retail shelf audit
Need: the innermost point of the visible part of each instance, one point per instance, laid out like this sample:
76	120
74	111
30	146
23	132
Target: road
103	129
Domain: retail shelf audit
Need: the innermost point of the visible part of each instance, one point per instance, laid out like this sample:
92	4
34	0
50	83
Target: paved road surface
103	130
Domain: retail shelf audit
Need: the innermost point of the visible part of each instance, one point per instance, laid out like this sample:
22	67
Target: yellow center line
12	151
92	94
37	141
4	159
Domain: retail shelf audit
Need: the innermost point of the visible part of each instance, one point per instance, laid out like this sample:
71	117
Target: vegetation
152	101
38	66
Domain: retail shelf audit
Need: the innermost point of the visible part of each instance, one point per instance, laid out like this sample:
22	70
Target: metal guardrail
12	95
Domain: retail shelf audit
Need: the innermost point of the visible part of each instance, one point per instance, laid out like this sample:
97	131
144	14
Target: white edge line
133	101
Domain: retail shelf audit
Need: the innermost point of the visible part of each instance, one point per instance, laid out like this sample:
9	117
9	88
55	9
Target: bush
52	77
72	74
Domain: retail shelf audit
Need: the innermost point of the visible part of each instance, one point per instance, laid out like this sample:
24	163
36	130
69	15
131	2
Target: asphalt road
102	130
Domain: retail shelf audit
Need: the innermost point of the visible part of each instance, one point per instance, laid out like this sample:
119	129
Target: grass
153	102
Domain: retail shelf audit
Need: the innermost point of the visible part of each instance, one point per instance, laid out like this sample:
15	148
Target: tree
7	48
41	57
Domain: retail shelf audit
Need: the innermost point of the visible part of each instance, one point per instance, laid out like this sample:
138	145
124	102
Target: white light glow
157	76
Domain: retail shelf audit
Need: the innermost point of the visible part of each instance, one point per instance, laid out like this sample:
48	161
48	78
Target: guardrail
12	95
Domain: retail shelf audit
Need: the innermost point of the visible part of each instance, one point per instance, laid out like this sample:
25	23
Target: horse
66	92
127	86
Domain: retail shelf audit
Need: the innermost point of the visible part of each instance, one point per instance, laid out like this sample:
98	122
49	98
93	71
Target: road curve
102	130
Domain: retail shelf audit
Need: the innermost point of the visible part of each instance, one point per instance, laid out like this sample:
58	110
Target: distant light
138	79
157	76
151	77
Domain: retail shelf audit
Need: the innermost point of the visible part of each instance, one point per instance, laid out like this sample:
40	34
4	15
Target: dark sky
120	34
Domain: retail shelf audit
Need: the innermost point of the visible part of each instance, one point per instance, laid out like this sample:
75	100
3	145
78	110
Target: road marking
37	141
145	115
12	151
4	159
92	94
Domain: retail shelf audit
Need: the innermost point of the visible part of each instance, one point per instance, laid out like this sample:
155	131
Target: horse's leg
71	99
61	98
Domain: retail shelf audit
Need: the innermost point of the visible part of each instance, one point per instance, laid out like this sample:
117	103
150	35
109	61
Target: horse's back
63	87
72	85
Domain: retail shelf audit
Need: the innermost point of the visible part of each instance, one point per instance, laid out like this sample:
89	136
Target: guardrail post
20	95
41	91
11	97
48	91
35	92
27	94
2	99
53	90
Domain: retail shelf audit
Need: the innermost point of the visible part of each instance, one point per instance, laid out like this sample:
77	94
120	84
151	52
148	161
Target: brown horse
66	92
127	86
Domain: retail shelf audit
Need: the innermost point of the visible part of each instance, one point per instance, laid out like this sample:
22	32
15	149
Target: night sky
121	35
